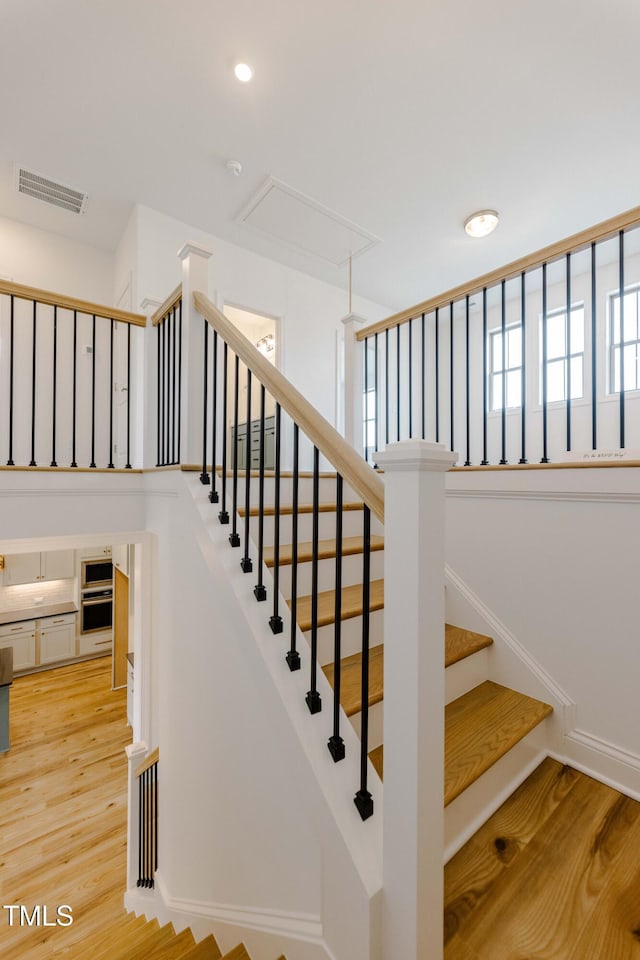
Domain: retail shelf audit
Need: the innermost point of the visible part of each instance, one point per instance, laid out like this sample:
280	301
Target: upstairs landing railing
534	362
67	380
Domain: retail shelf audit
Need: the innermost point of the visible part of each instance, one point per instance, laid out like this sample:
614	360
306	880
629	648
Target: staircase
484	721
135	938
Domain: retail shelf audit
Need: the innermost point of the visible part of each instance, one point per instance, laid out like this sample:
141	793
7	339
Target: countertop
37	613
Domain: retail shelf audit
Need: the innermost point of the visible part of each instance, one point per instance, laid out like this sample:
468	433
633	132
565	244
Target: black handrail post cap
246	565
276	624
314	701
364	802
336	748
234	539
293	659
260	592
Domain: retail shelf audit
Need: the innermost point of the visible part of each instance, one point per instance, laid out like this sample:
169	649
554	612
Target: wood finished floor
63	807
553	875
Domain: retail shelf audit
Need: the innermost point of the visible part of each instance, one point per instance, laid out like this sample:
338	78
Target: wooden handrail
578	241
168	304
148	762
71	303
365	481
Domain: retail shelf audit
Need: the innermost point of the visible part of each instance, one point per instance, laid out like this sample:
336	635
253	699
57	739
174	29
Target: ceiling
401	118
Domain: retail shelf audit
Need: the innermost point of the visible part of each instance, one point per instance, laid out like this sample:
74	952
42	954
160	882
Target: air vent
42	188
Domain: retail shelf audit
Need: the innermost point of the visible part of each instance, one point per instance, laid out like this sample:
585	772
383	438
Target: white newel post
195	276
353	383
136	753
413	818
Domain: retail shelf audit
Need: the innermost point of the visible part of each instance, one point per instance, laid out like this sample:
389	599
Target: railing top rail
71	303
168	305
352	467
148	762
572	244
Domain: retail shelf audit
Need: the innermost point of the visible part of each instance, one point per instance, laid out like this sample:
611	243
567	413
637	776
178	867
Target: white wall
52	262
553	554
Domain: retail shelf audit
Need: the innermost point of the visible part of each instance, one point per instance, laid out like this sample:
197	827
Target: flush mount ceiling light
481	224
243	72
266	344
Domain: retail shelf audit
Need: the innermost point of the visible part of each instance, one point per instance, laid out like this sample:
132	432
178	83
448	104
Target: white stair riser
351	527
326	491
463	676
351	636
351	573
466	814
376	724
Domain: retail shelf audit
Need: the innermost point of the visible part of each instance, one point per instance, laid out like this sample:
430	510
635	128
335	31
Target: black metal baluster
621	301
363	799
204	476
484	460
366	399
223	516
503	334
163	388
245	563
437	376
275	621
336	743
398	381
127	465
313	699
55	385
111	328
375	388
75	384
386	383
179	377
174	386
260	591
234	536
451	372
410	378
293	657
10	461
158	401
594	417
33	388
545	458
467	462
213	493
140	833
423	383
568	384
523	367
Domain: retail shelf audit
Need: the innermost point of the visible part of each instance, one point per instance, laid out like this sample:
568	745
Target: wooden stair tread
351	679
351	604
207	949
326	550
459	644
286	509
238	953
480	728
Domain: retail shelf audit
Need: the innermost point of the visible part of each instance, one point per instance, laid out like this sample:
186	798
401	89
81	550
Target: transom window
505	371
624	342
565	351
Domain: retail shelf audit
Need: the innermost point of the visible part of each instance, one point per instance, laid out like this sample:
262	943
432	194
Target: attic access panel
304	224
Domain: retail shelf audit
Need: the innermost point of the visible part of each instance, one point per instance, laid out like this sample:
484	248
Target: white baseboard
603	761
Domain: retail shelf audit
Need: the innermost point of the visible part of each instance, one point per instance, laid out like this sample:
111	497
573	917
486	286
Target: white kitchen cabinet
57	638
22	637
100	642
94	553
120	557
38	567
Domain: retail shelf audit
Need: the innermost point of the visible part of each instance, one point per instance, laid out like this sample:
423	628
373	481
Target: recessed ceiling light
481	224
243	72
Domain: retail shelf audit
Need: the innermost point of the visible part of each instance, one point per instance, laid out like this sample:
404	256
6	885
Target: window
630	345
558	345
512	367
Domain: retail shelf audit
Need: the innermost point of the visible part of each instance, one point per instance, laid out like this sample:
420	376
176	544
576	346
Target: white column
353	383
149	431
413	818
195	276
136	753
